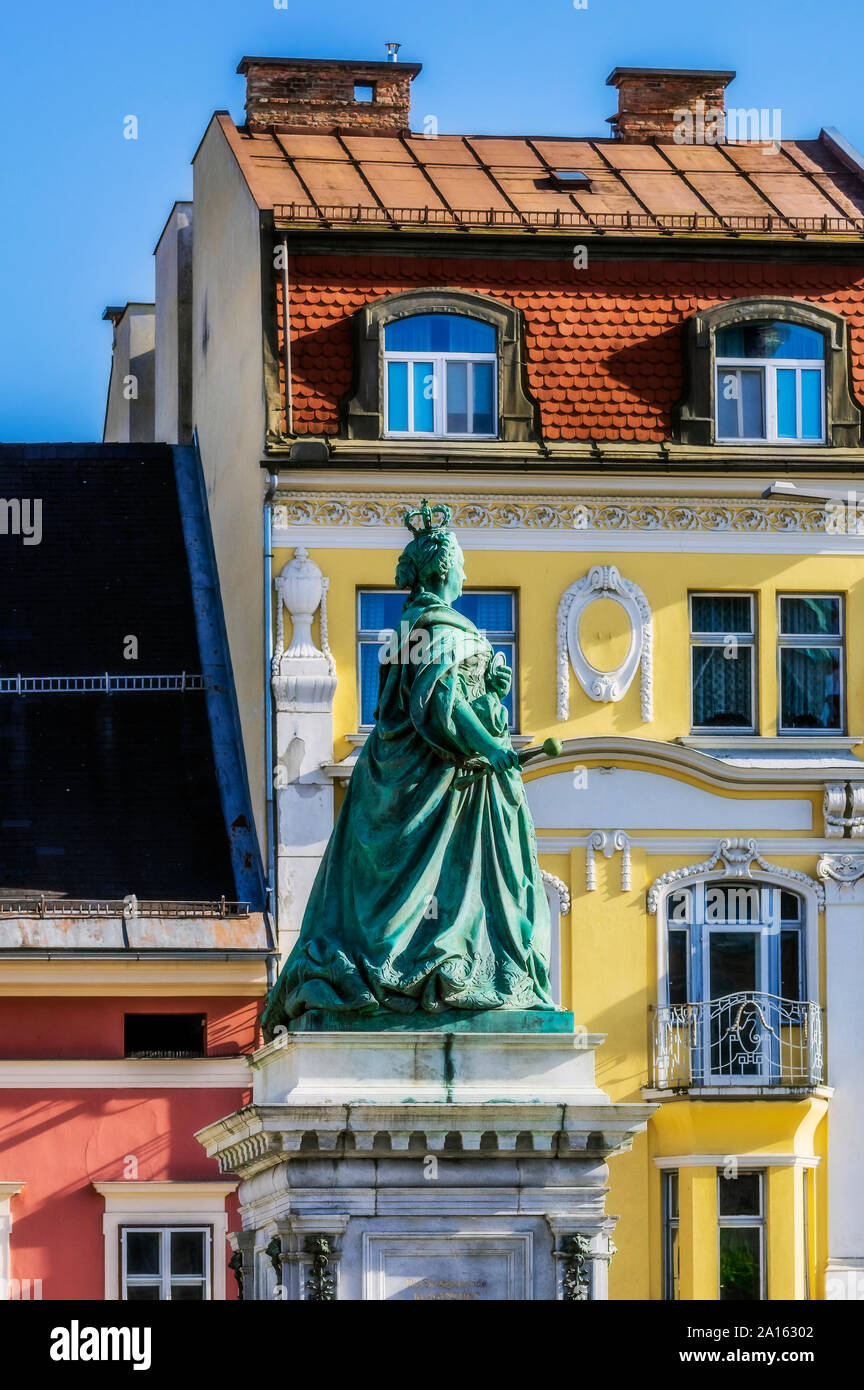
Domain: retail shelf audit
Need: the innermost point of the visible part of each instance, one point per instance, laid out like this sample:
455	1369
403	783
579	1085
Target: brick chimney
326	94
649	97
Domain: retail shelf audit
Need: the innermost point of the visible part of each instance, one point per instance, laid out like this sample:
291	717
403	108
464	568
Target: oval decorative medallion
604	582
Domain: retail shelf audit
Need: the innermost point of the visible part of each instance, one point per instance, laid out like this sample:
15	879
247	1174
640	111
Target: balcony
740	1040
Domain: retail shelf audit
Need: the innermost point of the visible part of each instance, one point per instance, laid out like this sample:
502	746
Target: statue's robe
429	896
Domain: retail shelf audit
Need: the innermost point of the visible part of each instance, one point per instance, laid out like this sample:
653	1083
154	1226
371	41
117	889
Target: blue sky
84	206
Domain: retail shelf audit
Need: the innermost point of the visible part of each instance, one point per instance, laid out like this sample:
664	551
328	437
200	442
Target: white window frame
170	1204
750	1223
719	639
809	639
671	1223
768	368
166	1278
8	1190
439	362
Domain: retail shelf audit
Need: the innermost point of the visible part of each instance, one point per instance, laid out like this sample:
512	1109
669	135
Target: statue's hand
502	759
500	678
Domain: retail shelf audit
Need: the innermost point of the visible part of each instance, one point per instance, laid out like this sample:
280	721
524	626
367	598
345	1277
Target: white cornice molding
604	582
684	844
53	974
748	1160
204	1195
732	858
125	1073
713	772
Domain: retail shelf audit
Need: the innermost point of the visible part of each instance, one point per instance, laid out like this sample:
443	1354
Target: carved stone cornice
732	859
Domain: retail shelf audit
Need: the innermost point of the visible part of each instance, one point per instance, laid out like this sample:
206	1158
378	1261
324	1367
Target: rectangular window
811	663
379	613
722	662
679	955
770	403
165	1263
444	397
671	1252
741	1215
165	1035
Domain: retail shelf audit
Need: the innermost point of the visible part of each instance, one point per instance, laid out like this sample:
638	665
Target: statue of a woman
429	896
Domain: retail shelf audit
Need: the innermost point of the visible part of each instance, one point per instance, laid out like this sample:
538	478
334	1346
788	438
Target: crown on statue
431	518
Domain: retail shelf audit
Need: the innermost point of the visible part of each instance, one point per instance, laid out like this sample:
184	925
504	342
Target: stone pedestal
424	1165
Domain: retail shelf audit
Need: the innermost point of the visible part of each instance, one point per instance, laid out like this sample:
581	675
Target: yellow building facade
639	810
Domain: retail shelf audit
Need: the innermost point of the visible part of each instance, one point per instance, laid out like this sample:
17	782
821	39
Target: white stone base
434	1166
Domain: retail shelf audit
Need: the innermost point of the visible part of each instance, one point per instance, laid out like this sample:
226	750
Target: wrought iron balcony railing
745	1039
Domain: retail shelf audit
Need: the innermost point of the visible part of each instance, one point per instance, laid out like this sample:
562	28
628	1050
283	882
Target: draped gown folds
429	896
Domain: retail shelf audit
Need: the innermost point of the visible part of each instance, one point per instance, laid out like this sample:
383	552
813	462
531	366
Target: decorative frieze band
561	512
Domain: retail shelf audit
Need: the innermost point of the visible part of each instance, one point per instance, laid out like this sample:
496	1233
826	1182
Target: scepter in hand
552	748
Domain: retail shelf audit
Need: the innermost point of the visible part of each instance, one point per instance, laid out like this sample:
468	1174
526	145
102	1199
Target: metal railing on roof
128	907
770	224
104	683
743	1039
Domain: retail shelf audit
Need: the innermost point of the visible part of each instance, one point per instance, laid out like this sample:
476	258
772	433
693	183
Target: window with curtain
770	383
379	612
722	662
440	377
811	662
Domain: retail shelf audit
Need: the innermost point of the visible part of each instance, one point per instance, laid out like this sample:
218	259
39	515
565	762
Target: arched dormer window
767	371
440	377
770	385
439	364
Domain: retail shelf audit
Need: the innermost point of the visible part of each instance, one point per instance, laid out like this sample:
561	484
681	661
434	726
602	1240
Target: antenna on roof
392	50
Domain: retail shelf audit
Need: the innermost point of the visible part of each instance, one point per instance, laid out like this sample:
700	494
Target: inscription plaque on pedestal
447	1268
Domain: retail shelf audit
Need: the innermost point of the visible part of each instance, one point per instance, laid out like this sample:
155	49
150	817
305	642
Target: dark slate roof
105	794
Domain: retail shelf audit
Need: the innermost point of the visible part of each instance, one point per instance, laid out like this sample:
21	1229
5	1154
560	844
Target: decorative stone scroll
732	859
604	582
845	869
607	841
844	811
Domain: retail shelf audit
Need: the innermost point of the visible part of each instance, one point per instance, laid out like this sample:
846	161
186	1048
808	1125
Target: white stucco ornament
604	582
303	675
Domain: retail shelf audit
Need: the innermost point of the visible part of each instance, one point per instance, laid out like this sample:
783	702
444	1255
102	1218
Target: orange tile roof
603	346
456	181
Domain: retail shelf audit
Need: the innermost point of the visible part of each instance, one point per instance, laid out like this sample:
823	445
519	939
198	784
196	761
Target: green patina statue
429	897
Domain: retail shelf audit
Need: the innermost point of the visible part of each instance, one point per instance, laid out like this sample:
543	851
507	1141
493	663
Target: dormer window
767	371
439	365
770	383
440	377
